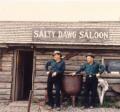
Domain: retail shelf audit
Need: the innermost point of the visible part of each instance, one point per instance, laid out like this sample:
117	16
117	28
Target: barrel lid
116	88
70	74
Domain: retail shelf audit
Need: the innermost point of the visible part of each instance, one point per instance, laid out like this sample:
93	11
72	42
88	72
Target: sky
59	10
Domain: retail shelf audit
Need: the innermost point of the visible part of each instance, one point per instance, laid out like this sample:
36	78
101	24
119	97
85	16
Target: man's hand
48	72
74	73
54	74
97	75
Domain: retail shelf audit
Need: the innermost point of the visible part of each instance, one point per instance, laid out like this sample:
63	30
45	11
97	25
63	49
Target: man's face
90	59
57	57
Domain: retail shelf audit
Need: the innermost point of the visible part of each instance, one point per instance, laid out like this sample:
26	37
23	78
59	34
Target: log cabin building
26	46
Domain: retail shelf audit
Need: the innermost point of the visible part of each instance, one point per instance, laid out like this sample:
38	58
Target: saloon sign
73	35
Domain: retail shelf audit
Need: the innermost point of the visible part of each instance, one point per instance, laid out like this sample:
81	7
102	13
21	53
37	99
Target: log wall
6	75
73	62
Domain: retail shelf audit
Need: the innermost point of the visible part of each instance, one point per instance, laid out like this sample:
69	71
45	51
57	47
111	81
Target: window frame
109	58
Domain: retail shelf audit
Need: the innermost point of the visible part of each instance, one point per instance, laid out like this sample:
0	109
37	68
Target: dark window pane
112	65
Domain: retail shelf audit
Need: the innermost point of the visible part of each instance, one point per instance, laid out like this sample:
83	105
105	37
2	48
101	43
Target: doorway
23	79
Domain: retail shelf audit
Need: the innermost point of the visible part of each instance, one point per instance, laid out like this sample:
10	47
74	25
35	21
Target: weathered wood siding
73	61
21	32
6	76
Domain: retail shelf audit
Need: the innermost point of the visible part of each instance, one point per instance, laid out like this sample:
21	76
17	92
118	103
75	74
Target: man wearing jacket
55	69
92	70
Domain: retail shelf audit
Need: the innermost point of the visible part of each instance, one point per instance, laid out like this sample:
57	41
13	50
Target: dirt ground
21	106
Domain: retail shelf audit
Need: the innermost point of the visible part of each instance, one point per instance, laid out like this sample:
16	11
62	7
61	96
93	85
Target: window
112	64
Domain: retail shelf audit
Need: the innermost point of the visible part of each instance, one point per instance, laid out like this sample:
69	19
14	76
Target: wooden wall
21	31
73	61
6	61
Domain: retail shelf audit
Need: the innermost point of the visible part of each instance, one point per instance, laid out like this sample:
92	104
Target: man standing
92	70
55	69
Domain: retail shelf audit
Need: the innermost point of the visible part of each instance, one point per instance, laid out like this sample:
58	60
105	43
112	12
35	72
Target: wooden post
73	101
29	101
15	59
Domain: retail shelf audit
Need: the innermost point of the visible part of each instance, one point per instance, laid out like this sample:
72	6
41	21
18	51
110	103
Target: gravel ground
22	107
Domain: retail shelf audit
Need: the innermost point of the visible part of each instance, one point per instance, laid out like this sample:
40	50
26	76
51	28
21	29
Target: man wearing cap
92	70
55	69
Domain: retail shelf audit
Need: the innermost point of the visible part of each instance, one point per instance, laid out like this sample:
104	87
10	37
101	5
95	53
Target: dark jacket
91	69
54	66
